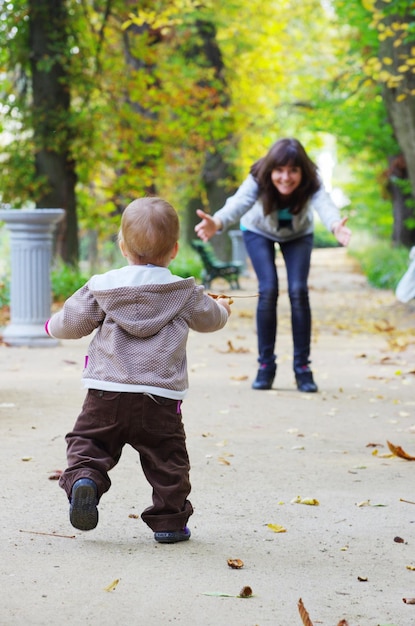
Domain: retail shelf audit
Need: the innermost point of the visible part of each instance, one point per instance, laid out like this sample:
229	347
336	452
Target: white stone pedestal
31	236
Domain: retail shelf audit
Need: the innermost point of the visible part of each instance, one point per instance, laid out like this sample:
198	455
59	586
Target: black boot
265	377
304	380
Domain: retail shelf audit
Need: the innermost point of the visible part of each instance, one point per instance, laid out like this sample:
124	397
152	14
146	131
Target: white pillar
31	236
238	250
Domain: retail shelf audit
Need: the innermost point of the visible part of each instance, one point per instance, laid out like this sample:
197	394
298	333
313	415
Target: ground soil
254	454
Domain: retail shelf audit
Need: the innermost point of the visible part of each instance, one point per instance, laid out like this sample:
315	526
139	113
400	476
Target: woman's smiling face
286	178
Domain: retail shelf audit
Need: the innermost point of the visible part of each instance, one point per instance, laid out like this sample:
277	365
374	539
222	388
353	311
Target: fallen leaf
362	579
276	528
26	458
239	378
112	585
134	516
374	445
309	501
246	592
235	563
233	350
399	540
223	461
409	600
304	614
411	568
398	451
55	475
384	326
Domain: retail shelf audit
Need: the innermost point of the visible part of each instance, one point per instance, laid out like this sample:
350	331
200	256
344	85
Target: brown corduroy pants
153	426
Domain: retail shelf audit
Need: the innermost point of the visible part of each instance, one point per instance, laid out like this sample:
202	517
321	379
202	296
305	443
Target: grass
381	262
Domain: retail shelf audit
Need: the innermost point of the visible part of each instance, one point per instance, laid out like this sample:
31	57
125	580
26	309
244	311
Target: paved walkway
252	454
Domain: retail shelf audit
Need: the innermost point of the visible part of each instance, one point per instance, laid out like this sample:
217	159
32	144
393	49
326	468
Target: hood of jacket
141	299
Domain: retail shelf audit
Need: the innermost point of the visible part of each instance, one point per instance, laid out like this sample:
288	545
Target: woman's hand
207	227
342	232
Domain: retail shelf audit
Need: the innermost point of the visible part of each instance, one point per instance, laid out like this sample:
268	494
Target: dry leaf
246	592
231	349
55	475
398	451
304	614
112	585
411	568
399	540
409	600
235	563
364	503
362	579
276	528
223	461
384	326
134	516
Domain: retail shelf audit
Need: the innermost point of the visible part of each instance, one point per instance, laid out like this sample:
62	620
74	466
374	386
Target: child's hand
225	302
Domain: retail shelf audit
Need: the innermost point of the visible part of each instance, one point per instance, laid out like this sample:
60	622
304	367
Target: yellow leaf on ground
112	585
276	528
309	501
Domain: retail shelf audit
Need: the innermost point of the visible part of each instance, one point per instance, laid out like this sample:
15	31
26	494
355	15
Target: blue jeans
297	256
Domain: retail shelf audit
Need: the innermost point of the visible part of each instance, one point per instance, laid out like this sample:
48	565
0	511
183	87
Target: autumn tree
37	107
373	91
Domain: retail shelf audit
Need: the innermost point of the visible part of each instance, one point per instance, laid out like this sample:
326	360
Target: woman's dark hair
285	152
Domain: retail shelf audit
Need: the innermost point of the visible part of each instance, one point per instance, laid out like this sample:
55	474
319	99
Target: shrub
4	291
187	263
383	263
65	279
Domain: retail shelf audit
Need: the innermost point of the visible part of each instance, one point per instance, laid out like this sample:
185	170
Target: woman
275	204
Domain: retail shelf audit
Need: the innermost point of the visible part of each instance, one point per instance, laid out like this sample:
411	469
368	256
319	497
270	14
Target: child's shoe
172	536
83	512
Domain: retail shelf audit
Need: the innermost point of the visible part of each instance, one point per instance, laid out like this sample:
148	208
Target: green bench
214	268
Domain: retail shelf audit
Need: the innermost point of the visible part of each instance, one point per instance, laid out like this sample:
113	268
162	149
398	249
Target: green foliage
382	263
187	263
4	291
65	280
323	238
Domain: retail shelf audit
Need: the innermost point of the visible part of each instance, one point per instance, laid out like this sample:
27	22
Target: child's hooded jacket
142	315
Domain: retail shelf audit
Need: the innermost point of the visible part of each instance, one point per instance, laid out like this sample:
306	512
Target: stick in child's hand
221	295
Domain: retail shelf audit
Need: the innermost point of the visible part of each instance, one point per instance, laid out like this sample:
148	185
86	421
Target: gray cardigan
245	206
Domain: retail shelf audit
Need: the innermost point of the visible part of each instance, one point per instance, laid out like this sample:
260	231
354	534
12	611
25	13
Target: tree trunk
217	170
399	98
55	167
402	203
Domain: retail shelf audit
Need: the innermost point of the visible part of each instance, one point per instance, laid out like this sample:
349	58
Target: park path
253	454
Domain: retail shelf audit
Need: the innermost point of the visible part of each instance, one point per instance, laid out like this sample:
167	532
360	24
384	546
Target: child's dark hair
285	152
